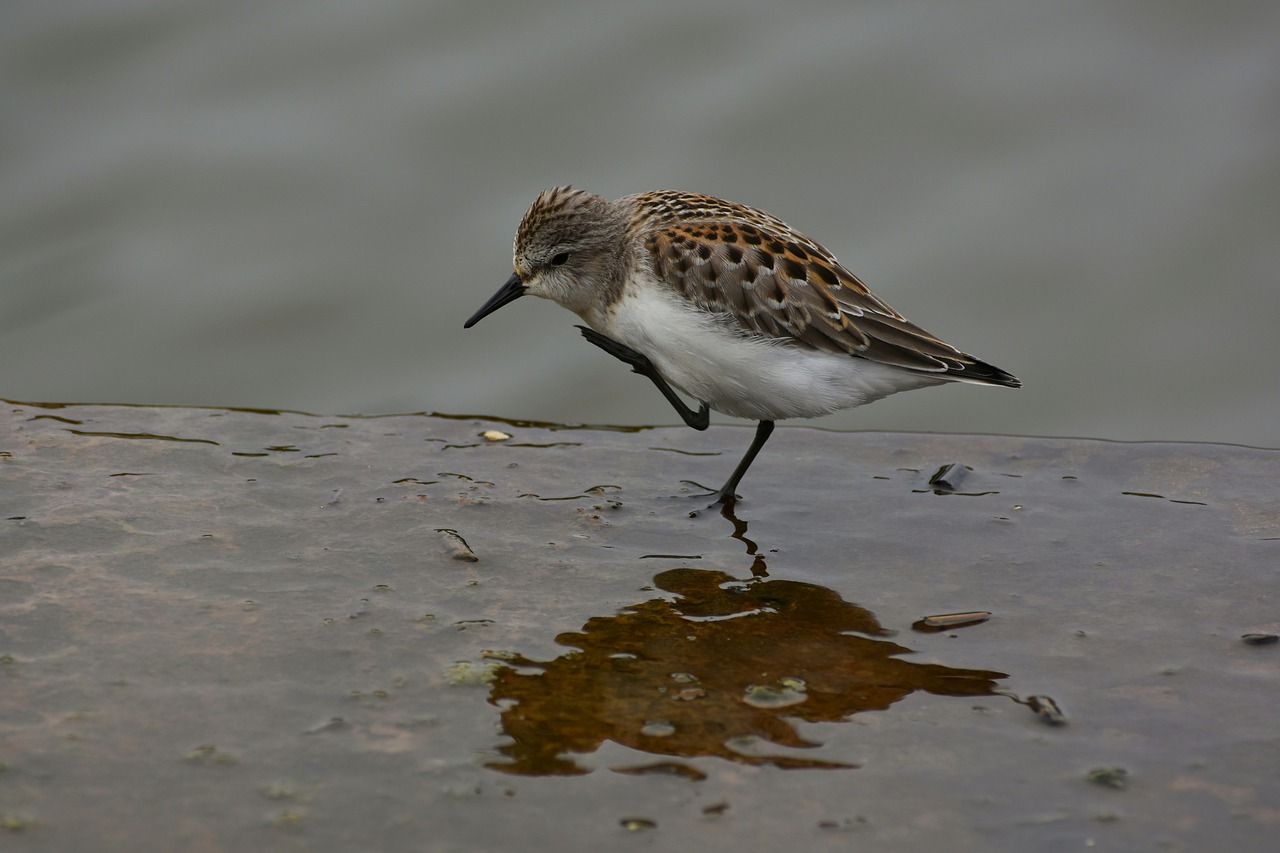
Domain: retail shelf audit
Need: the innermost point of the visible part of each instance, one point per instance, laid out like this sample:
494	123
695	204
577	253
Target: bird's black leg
640	363
700	419
763	430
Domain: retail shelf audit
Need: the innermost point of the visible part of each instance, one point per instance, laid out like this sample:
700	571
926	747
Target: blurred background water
296	204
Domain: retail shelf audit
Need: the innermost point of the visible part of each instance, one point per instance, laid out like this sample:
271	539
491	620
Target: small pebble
1260	639
1110	777
458	547
1047	710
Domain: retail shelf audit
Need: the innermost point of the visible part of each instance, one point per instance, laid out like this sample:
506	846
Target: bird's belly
747	376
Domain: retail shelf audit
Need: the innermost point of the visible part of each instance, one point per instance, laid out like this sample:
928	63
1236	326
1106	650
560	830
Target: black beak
509	292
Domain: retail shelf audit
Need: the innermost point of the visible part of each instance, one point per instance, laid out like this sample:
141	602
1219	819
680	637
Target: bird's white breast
739	374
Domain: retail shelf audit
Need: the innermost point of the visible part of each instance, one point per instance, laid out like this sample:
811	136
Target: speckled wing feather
776	282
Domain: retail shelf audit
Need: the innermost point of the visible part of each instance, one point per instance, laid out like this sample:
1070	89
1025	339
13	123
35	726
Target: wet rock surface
251	630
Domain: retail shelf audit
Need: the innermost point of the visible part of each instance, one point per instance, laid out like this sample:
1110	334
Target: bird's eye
560	259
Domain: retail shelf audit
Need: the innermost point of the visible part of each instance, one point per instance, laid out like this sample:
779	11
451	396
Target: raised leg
640	364
728	492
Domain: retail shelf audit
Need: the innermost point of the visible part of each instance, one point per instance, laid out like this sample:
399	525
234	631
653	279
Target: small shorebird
727	304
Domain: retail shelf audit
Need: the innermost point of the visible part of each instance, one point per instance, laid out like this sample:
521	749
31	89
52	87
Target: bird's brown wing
778	283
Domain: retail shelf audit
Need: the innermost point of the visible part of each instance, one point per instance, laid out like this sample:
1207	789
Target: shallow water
296	205
248	631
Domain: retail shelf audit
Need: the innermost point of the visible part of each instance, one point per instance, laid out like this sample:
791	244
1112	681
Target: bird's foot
725	500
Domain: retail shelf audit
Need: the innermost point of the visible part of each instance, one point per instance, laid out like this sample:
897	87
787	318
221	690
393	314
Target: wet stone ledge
255	630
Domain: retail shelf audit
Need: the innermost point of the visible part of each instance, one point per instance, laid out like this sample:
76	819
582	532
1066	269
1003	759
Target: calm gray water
296	204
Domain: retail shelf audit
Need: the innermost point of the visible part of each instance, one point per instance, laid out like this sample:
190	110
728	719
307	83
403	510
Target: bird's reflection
722	669
758	567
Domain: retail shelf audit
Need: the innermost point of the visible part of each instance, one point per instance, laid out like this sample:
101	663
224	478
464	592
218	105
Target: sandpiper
727	304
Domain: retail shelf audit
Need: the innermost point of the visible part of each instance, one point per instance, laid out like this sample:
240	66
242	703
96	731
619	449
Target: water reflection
758	567
725	668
